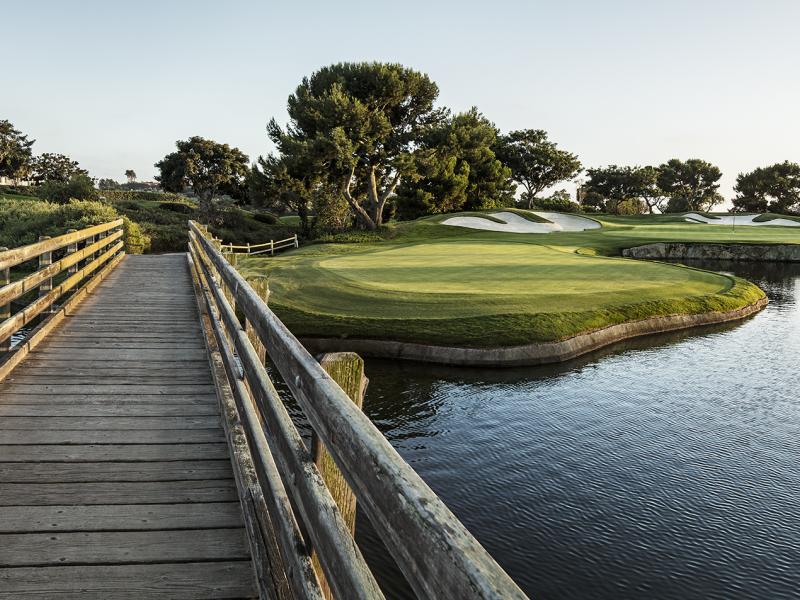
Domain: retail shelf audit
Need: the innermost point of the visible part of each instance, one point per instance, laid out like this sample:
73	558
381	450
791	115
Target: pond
665	468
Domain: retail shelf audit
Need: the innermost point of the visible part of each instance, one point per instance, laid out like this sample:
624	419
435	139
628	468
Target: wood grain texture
178	581
115	474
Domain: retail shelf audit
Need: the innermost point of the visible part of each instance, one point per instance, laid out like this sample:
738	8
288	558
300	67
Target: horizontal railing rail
270	246
87	254
436	553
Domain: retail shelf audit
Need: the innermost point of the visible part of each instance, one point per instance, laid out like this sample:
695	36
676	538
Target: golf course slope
458	296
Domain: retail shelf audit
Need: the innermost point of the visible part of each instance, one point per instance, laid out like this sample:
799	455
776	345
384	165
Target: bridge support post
5	310
346	369
45	260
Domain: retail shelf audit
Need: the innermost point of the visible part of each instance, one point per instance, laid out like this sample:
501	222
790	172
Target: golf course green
430	283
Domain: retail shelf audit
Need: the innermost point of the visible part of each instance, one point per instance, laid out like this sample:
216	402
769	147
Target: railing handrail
85	267
263	244
437	554
15	256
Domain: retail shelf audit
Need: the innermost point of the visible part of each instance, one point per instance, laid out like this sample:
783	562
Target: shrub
136	241
178	207
265	217
80	187
560	201
22	221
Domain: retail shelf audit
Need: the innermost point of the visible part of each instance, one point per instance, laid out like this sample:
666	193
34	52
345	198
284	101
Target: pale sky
113	84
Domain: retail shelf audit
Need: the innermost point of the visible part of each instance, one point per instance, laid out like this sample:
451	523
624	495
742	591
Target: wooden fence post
261	286
5	310
45	260
272	247
346	369
71	249
296	243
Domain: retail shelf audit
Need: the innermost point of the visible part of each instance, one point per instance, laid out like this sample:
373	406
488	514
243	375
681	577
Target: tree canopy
691	185
775	188
455	168
275	183
15	151
208	167
130	174
360	122
55	167
535	162
625	189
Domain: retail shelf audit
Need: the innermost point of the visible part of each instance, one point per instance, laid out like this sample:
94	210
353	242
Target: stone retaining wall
529	354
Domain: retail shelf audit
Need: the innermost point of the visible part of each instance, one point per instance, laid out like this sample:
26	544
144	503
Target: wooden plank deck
115	478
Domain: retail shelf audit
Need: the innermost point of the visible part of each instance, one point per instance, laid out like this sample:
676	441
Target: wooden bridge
145	452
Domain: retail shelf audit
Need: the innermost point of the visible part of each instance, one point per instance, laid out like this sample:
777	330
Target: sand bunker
737	220
513	223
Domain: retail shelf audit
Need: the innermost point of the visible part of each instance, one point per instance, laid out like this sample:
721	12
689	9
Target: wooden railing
270	246
64	263
437	555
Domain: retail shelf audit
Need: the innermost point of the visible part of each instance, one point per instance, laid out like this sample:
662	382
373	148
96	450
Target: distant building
9	181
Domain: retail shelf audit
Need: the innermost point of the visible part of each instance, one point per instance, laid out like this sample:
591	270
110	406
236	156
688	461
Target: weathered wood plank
63	399
107	423
120	547
100	409
113	452
121	355
181	581
110	378
105	389
140	492
60	472
120	517
139	436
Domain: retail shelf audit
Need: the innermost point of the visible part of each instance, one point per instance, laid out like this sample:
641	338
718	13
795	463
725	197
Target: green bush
80	187
23	220
264	217
177	207
136	241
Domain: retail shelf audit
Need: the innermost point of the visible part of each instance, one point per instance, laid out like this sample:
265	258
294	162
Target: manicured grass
432	283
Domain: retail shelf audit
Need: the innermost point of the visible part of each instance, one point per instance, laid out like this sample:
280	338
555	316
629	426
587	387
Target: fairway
434	284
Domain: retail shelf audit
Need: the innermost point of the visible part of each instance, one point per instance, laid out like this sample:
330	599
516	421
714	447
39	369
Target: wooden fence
270	246
301	525
64	263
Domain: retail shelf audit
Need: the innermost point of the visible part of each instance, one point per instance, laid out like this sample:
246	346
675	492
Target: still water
662	469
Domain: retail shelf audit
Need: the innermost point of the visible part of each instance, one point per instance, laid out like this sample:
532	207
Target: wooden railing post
71	249
261	287
45	260
5	310
296	243
272	247
346	369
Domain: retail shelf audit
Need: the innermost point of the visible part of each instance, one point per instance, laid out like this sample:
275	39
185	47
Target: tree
131	175
560	201
15	151
535	162
55	167
691	185
630	189
775	188
210	168
108	184
455	168
360	122
278	184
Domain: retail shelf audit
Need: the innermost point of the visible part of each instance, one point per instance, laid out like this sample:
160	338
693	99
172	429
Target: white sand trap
513	223
737	220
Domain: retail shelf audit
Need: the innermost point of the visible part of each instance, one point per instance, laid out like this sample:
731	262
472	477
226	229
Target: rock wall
736	252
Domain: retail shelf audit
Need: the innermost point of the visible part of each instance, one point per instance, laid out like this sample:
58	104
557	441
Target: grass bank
429	283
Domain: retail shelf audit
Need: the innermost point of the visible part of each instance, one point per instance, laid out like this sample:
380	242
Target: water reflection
663	467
